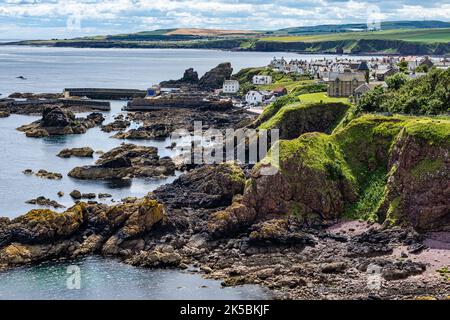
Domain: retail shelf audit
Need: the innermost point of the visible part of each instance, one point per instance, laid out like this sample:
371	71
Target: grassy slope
320	97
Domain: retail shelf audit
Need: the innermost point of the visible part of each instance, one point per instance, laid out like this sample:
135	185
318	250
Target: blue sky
34	19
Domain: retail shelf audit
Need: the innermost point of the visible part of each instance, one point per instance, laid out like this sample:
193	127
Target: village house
366	87
254	97
262	79
230	86
344	84
279	64
280	91
382	74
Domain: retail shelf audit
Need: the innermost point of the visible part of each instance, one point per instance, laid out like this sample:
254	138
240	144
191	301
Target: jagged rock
56	117
43	201
209	186
116	125
148	213
75	194
4	114
232	219
190	78
58	121
153	131
37	133
44	174
334	267
60	194
214	78
76	152
45	225
127	161
278	231
96	117
155	259
88	196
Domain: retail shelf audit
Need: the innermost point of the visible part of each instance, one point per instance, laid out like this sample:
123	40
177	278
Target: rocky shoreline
356	208
174	227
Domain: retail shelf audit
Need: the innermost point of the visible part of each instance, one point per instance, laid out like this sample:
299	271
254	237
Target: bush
396	81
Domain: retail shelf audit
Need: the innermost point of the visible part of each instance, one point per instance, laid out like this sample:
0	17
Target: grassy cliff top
414	35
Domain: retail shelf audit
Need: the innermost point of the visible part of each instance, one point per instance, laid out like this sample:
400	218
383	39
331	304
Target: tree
403	66
396	81
371	101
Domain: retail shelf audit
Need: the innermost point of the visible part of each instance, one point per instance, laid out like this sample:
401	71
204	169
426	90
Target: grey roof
348	76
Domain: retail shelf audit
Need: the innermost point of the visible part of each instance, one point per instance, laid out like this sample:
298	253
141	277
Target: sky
47	19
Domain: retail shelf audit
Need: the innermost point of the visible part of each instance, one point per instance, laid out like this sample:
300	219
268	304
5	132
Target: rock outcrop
153	131
320	177
209	186
84	152
57	121
83	229
43	201
190	78
418	188
214	78
127	161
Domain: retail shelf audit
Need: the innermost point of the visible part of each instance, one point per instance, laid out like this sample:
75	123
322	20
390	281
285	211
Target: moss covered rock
394	168
46	225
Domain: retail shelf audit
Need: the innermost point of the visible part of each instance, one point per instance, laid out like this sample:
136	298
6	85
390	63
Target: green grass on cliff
320	97
414	35
359	152
297	118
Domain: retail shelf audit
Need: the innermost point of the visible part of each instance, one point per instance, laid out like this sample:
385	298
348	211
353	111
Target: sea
50	70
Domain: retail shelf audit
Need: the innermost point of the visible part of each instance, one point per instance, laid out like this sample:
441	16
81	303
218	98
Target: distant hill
396	37
387	25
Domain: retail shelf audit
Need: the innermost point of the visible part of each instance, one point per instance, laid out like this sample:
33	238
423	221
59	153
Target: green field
415	35
320	97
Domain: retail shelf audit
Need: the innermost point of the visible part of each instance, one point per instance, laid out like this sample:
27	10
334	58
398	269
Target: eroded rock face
209	186
418	189
127	161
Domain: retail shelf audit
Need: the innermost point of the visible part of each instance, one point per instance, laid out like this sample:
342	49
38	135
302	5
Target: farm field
414	35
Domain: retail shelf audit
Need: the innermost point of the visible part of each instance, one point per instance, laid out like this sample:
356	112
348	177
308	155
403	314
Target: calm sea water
108	279
51	70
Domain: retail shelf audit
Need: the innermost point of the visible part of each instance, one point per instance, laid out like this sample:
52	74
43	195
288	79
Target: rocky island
56	121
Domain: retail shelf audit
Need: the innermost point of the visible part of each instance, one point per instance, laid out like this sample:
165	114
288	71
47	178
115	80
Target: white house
259	79
230	86
257	97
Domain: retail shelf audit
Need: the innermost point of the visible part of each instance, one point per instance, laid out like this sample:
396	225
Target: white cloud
104	16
